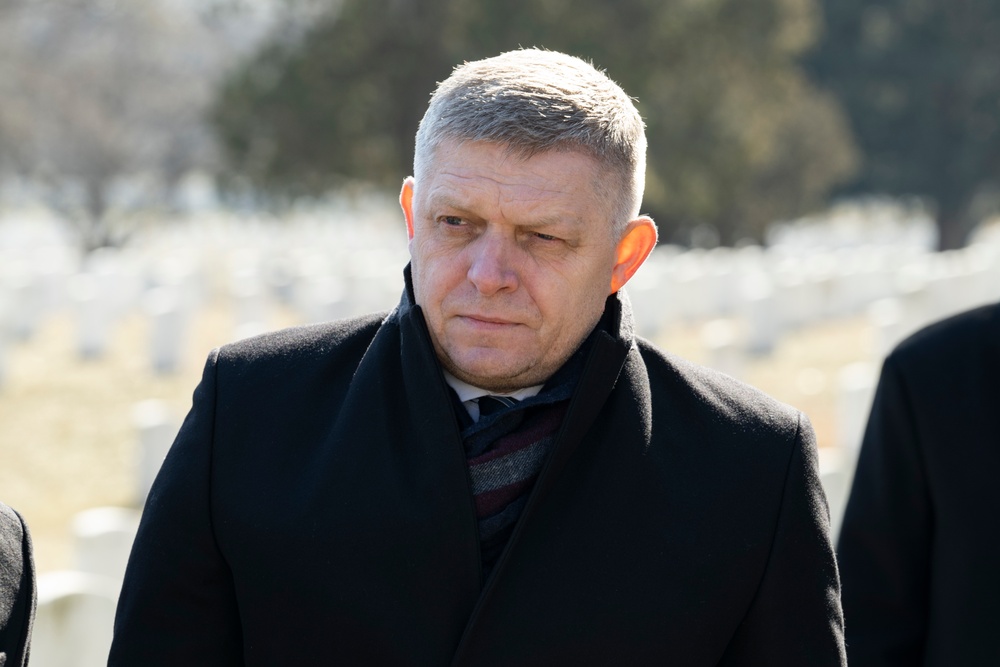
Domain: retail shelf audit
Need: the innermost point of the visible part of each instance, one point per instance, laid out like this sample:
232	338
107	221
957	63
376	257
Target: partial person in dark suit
17	589
920	546
498	472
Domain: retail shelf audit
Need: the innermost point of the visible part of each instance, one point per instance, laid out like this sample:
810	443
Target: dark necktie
489	405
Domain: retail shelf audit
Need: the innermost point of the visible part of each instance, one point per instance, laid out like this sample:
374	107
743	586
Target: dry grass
67	440
801	371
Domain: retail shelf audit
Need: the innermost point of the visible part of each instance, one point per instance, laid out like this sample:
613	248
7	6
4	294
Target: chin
492	376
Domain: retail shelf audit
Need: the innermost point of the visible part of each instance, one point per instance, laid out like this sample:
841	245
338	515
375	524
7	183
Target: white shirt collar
468	393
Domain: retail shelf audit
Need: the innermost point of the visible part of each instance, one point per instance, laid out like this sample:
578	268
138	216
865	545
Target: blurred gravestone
74	620
27	305
167	321
687	293
912	292
5	332
856	389
103	538
836	472
118	280
93	315
720	338
249	305
651	296
760	311
791	298
886	319
280	276
246	290
156	430
3	358
321	298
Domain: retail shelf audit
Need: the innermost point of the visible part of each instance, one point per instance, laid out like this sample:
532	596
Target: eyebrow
447	201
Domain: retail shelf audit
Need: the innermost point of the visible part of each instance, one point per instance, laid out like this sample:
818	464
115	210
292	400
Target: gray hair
531	101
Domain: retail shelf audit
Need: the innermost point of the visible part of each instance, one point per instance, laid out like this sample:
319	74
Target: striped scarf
505	452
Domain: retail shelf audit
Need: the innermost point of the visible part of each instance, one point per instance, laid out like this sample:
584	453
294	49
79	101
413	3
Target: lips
482	325
487	320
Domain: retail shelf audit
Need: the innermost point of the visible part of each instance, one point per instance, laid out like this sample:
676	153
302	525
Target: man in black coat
17	589
498	472
919	549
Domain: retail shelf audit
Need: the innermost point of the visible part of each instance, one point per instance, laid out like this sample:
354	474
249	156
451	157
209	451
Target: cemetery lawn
68	441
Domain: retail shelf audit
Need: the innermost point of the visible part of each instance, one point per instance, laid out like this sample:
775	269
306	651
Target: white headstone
167	321
280	277
886	319
156	429
836	472
652	298
246	286
321	298
3	357
721	280
913	295
720	338
249	302
690	293
760	311
74	621
103	538
856	388
93	315
791	296
27	304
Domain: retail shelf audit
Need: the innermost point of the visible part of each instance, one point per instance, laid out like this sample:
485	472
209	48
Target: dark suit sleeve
795	618
884	546
178	604
17	589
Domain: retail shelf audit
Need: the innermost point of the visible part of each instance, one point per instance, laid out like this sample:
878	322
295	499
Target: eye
452	220
545	237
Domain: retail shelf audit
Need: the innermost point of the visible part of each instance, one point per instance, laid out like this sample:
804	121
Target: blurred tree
738	137
920	80
102	105
104	102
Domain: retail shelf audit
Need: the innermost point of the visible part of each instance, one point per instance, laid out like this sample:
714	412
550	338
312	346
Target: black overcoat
17	589
316	509
919	547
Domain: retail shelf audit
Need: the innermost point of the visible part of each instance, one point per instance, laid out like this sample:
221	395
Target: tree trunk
954	225
93	227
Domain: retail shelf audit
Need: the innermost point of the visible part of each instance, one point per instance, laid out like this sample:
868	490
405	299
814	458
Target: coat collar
603	355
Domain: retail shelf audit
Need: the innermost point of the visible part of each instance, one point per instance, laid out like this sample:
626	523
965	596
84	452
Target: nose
491	268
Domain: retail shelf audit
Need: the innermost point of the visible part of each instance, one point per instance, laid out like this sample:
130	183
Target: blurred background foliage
920	80
91	93
757	110
738	136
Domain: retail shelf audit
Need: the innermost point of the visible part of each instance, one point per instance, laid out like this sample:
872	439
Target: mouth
487	321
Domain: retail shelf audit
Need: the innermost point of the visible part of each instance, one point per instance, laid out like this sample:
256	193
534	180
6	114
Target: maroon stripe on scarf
508	470
543	423
489	503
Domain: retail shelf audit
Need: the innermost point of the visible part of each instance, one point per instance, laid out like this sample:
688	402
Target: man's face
512	259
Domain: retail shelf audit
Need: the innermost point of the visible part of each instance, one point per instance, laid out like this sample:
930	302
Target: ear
632	250
406	202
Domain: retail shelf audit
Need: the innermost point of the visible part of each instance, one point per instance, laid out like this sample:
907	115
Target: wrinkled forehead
475	177
600	175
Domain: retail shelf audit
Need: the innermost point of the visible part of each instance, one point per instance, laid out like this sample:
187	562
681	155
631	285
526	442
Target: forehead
474	170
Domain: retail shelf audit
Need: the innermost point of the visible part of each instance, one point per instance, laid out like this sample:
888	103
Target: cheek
573	304
434	278
590	294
